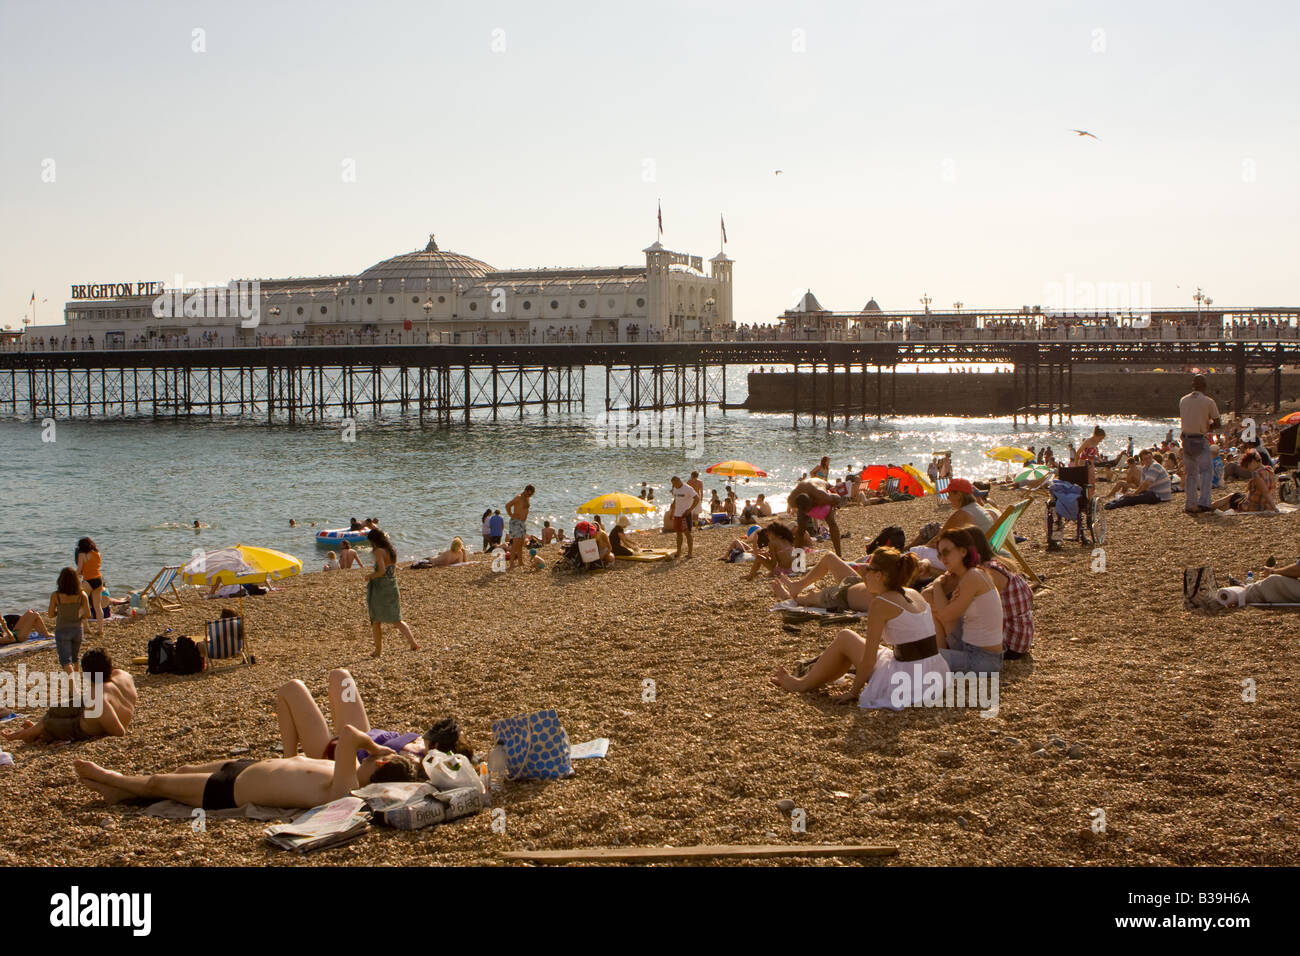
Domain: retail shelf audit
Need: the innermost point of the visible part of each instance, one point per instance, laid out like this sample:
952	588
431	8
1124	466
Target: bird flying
1083	132
778	172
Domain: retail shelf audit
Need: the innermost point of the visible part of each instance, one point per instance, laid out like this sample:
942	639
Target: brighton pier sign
116	290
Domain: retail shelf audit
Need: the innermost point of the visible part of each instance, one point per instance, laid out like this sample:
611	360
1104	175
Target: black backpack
162	654
188	660
179	656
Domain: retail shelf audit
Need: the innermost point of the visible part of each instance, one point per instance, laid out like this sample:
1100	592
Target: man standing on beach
517	509
685	500
698	485
1200	417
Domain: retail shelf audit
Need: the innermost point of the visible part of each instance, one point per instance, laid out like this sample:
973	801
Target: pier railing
1167	333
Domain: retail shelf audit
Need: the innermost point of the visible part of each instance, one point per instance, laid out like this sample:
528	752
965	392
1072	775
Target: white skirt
894	685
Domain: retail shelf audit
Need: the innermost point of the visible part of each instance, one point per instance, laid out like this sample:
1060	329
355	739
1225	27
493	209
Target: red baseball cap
961	484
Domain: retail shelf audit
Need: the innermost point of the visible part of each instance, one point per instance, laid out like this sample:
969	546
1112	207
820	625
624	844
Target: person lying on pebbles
116	709
778	557
303	724
297	782
848	593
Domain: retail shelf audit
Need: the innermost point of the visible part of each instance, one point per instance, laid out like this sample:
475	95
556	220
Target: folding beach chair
1001	538
226	639
1078	475
164	580
941	493
890	487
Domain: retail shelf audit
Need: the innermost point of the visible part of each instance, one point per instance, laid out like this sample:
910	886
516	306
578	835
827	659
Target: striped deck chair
164	580
941	492
890	487
226	639
1001	539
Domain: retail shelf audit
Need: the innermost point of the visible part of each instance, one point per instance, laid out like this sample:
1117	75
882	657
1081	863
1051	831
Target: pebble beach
1129	704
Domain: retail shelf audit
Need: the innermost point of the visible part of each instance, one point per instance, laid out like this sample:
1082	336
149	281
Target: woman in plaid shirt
1017	599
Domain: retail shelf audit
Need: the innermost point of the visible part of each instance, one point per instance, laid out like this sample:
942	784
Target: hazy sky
925	147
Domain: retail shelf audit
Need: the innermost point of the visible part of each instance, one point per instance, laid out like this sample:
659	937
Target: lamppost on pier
925	301
428	311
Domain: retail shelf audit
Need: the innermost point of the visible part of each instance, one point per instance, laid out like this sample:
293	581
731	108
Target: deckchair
1000	538
226	640
941	492
164	580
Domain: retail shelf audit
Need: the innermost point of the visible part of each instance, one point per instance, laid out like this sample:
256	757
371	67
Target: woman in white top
969	624
899	651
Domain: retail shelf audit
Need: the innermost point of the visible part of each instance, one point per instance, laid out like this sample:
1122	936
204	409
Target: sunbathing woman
1017	598
969	624
296	782
303	724
900	640
848	593
1261	488
778	557
15	628
456	554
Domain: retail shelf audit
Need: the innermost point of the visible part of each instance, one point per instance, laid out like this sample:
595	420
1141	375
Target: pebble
1011	740
785	806
1057	742
1041	752
864	798
1075	752
107	823
239	750
771	835
961	822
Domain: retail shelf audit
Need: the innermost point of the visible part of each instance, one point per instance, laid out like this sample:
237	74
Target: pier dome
432	264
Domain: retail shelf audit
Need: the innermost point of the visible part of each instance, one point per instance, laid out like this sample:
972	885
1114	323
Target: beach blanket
172	810
1282	508
26	647
644	556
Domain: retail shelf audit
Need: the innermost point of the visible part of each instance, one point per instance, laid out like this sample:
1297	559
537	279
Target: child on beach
332	562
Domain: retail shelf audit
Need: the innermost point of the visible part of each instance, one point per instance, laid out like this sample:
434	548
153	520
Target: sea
136	486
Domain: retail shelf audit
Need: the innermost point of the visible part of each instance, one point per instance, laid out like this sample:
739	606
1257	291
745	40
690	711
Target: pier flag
723	220
661	219
33	299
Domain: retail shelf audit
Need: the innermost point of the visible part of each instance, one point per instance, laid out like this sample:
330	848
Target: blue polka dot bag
537	748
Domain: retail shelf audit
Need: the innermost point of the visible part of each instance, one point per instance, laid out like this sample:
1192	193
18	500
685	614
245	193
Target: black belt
916	650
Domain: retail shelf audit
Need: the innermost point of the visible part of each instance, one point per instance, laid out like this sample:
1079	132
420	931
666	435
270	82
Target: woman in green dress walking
382	599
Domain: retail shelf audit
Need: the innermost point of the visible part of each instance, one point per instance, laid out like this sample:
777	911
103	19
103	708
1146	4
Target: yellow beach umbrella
242	564
736	469
1010	453
615	504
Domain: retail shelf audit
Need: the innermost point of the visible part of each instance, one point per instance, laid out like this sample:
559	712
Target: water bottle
1250	578
497	767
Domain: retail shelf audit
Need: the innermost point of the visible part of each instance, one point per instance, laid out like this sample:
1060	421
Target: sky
925	148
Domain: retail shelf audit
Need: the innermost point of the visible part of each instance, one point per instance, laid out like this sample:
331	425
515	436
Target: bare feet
781	678
778	588
101	781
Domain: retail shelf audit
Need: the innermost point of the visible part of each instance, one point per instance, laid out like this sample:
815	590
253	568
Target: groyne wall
1145	393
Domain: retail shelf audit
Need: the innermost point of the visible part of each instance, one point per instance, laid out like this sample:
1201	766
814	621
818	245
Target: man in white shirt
1200	416
685	499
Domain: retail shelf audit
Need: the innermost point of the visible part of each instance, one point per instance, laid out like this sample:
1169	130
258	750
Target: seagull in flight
1083	132
778	172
